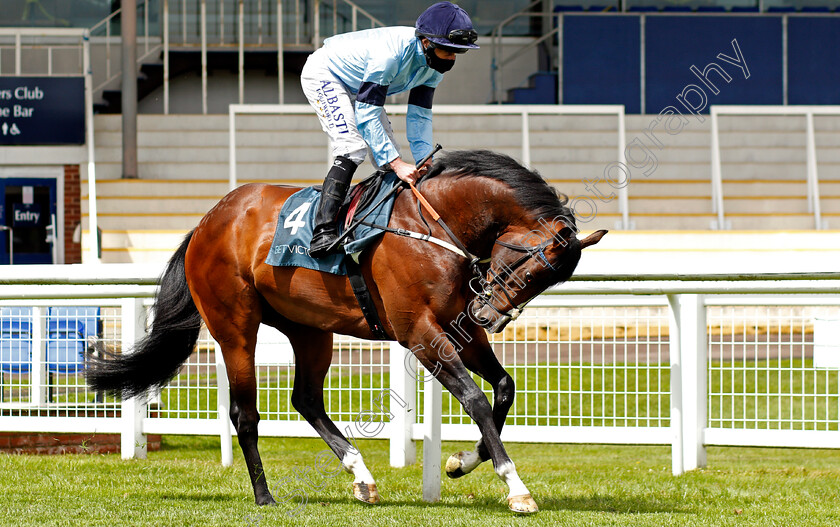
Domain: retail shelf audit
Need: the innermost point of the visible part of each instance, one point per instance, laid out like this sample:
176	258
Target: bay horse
436	302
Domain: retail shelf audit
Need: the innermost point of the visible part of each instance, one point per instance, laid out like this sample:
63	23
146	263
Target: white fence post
223	407
676	385
133	440
39	356
433	400
403	452
689	312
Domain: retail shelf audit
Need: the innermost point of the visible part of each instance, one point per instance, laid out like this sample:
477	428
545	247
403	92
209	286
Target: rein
483	297
474	260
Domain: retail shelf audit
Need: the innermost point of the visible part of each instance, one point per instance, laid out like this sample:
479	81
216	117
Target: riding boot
332	196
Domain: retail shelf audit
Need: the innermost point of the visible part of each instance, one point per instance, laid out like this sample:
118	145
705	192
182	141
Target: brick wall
49	443
72	213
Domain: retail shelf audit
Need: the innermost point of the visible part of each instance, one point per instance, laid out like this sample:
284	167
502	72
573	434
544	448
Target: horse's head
523	265
528	224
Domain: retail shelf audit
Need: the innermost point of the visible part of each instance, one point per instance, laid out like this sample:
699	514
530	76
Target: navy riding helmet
448	27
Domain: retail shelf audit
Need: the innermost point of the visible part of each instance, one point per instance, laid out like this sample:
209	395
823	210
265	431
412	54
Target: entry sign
42	111
26	215
826	343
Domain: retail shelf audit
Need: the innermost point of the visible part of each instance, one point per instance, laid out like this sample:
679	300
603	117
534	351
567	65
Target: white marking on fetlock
466	461
507	472
354	464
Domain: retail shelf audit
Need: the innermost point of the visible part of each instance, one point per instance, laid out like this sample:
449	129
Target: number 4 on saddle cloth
290	247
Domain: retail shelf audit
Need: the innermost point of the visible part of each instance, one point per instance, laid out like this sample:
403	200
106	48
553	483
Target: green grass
185	484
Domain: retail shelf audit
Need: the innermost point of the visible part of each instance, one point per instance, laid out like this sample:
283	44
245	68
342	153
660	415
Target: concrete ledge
43	155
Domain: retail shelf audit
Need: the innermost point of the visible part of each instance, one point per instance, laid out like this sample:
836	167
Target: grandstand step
139	206
658	222
670	206
140	246
775	222
220	171
667	189
179	154
830	205
146	139
157	222
156	187
751	189
766	205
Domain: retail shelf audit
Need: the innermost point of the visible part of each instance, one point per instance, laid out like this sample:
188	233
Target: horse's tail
158	356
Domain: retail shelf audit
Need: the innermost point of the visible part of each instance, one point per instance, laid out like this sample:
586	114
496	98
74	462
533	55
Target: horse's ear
592	239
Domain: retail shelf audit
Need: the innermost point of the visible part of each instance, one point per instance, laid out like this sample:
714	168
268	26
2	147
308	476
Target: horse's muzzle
492	320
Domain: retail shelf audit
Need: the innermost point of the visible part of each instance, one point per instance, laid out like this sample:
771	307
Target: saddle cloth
296	221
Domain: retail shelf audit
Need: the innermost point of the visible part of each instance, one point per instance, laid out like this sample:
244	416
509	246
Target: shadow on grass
589	504
192	444
611	504
199	496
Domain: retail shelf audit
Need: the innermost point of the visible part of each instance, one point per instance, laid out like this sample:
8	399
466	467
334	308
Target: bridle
485	295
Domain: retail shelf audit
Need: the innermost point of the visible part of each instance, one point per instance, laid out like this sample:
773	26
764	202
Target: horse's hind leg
234	325
245	417
313	354
478	357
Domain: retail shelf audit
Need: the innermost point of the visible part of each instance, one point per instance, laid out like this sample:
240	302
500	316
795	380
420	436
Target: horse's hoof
523	504
461	463
453	466
266	500
366	492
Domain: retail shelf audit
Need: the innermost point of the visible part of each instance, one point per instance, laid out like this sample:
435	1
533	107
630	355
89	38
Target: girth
360	289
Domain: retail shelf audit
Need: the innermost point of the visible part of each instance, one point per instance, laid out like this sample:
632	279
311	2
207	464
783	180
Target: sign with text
26	215
42	111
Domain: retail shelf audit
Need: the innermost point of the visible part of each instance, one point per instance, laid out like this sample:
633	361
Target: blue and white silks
375	63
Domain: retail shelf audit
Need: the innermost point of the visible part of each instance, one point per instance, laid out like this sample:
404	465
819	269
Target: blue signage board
42	111
693	62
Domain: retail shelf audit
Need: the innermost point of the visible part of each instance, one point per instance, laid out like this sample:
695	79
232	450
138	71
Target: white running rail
811	172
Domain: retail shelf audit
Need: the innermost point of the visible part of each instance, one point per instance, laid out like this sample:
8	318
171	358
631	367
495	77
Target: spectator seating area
653	6
67	336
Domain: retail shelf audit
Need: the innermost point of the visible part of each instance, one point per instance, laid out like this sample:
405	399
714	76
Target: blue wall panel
673	44
601	61
813	60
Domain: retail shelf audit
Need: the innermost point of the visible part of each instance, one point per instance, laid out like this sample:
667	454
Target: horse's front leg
437	354
478	357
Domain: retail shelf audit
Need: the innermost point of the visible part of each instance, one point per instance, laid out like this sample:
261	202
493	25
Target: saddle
290	246
360	197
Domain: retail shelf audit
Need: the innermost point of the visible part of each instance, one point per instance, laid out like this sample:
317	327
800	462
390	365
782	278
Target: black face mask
436	63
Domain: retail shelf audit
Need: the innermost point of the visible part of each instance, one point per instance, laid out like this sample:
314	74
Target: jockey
364	67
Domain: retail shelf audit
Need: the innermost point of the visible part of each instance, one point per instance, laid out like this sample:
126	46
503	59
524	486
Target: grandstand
777	172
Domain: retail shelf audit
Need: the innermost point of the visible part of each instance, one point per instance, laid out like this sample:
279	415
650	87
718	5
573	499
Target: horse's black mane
530	189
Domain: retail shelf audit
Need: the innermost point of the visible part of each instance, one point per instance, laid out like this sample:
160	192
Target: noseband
484	296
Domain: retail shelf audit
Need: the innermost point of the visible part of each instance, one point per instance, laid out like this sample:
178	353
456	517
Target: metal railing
103	35
42	46
811	172
685	360
340	21
524	111
498	62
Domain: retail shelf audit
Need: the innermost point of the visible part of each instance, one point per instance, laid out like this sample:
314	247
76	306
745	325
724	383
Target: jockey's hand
405	171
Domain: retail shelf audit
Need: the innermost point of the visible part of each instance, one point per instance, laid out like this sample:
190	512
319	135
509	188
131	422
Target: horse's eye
528	277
